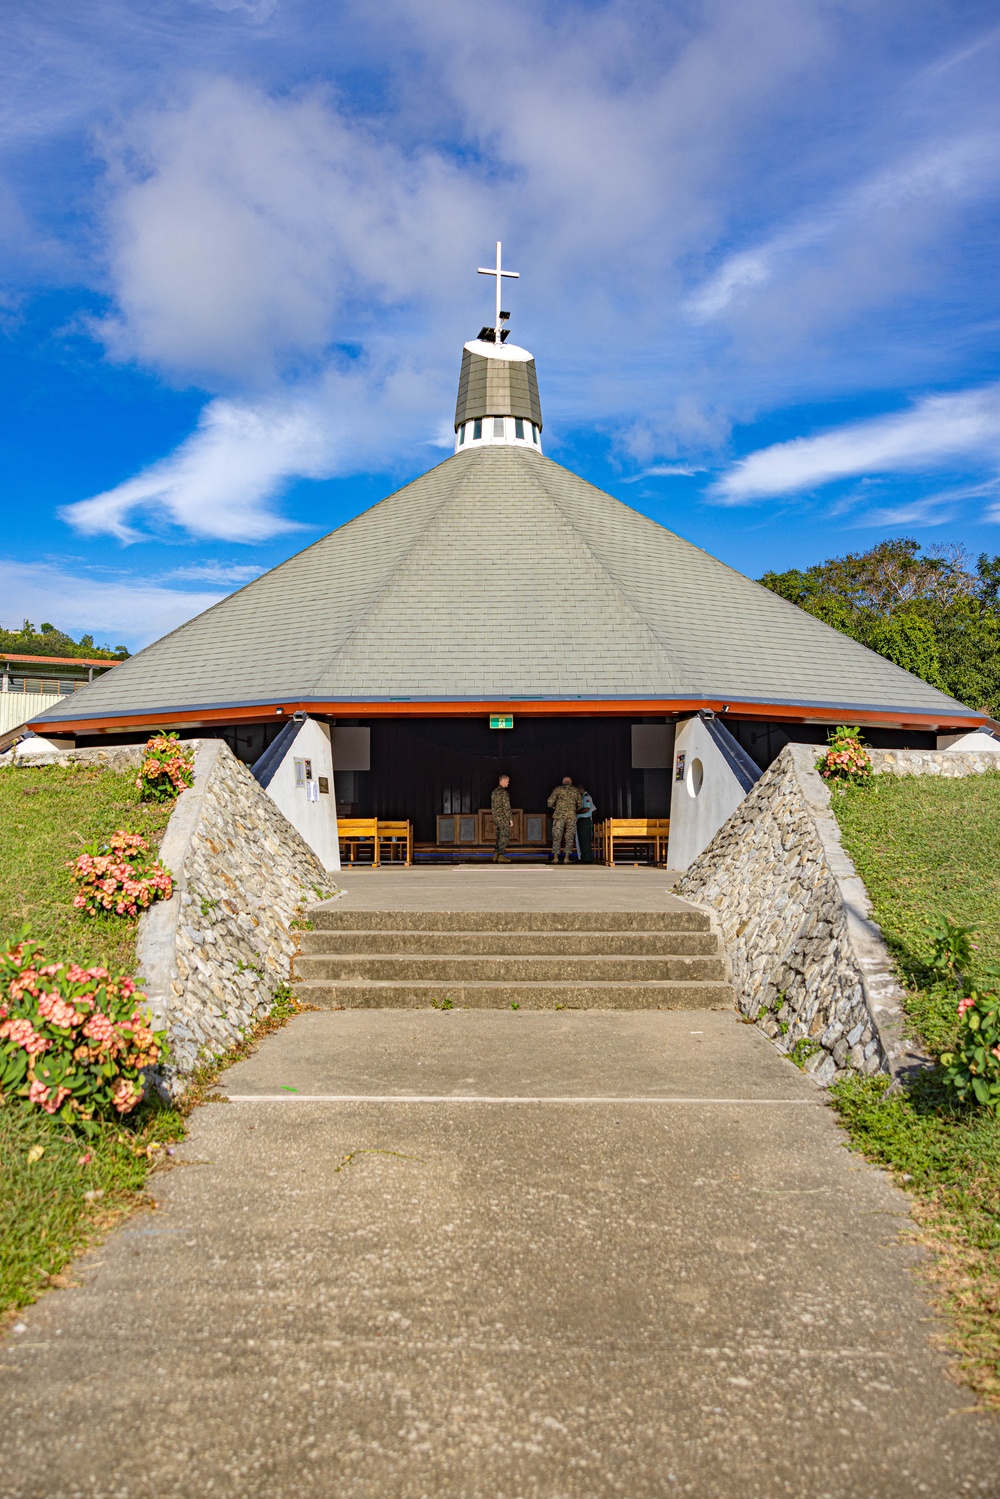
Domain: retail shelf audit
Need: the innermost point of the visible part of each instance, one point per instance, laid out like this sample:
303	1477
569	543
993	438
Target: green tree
929	612
50	641
910	640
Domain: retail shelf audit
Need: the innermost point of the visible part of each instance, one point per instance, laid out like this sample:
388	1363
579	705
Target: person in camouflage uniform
565	802
500	807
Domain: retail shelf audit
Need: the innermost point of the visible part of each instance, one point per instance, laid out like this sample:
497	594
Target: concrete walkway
510	887
623	1254
484	1254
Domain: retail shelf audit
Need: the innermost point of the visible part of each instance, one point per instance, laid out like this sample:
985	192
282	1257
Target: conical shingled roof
497	576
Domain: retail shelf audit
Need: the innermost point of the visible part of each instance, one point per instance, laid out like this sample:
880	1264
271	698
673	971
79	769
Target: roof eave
195	715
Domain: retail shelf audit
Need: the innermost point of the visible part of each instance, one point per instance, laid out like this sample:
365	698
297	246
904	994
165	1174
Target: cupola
497	388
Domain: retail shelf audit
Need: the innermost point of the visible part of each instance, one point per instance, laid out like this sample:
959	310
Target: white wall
312	813
17	707
979	739
37	744
708	795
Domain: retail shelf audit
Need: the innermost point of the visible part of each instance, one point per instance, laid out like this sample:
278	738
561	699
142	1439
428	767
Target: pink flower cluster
845	760
122	877
50	1099
969	1003
73	1040
22	1033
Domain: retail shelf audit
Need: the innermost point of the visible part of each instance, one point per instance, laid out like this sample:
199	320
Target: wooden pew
397	838
653	832
355	831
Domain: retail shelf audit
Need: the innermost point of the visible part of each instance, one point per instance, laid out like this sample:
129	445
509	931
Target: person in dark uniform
585	827
502	819
565	802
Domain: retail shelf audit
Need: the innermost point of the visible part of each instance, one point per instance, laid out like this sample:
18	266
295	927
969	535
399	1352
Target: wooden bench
649	832
356	833
394	839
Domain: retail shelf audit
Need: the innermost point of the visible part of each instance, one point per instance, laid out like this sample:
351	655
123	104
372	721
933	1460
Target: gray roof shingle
501	575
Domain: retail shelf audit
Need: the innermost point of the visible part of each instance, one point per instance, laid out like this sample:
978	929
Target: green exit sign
501	720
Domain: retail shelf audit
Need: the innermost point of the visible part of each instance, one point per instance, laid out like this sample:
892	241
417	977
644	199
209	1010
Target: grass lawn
59	1190
46	816
925	848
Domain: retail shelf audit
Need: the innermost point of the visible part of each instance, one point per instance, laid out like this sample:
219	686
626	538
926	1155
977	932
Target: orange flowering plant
167	768
73	1041
846	759
119	876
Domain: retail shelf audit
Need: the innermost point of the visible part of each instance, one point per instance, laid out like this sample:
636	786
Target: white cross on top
499	273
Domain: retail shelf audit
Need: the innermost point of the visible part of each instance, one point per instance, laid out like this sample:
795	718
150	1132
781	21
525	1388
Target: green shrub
846	759
972	1070
167	768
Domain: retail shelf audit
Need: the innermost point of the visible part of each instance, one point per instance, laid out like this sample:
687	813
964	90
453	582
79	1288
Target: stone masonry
809	965
211	957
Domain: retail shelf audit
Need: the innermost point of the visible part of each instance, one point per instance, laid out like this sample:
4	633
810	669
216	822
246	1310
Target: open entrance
433	771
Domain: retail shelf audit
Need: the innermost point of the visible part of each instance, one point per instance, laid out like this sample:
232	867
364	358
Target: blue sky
757	242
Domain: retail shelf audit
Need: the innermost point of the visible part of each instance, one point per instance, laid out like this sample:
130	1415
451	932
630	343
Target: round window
695	777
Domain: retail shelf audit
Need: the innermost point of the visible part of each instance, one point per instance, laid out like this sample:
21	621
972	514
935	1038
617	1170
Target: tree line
932	612
49	641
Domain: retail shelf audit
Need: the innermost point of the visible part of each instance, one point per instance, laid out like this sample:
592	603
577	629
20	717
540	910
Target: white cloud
247	233
934	431
225	480
663	471
306	255
951	169
219	482
114	609
214	572
935	509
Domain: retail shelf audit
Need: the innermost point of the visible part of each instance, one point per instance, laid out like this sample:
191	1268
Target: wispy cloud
936	509
934	431
663	471
955	168
115	610
213	572
219	483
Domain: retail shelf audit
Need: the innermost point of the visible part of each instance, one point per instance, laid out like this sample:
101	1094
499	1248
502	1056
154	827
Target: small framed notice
501	720
324	785
679	768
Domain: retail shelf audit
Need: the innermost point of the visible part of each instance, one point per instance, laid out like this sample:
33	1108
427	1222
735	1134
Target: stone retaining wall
212	956
117	757
809	965
947	763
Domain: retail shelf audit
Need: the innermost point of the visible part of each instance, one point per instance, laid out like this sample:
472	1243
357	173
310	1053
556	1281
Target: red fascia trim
776	712
81	661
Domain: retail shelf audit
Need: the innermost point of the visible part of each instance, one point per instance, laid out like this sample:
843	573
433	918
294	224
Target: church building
501	613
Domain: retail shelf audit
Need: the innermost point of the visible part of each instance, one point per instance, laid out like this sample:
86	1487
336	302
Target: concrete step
340	918
513	944
412	994
504	969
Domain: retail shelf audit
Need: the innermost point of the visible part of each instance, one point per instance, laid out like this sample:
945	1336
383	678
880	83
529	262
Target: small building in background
29	684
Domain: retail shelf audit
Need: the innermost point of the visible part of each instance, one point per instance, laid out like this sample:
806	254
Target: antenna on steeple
497	334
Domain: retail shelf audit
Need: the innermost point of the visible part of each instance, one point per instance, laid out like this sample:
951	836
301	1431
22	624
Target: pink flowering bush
120	876
972	1070
846	759
167	768
73	1040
